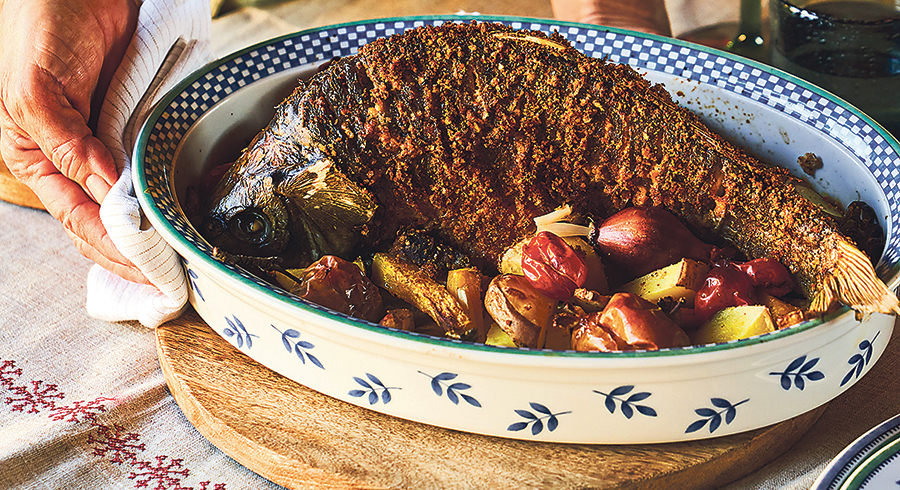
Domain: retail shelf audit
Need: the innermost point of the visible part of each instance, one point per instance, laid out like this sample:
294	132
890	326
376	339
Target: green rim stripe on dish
862	472
270	294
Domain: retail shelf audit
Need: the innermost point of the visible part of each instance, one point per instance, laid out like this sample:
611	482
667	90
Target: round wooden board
300	438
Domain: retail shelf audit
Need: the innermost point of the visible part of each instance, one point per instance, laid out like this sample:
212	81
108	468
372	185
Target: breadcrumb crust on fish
472	130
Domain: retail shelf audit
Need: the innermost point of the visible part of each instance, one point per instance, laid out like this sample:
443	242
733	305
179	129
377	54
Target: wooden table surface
845	418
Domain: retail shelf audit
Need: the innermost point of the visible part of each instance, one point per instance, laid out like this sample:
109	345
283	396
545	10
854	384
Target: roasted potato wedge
733	323
680	280
520	310
465	286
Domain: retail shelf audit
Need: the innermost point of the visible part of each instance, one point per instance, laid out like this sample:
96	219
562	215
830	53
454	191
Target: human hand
56	61
640	15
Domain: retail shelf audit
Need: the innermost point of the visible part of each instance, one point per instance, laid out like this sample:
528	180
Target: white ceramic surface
636	397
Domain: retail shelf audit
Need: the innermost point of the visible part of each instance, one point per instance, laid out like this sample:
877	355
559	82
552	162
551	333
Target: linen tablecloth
83	403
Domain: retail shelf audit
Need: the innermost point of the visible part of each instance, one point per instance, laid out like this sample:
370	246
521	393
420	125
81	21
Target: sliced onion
557	214
563	229
554	223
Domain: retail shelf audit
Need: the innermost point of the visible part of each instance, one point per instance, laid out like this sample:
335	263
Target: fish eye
251	226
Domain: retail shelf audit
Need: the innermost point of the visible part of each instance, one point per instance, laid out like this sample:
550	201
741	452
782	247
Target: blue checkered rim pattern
644	52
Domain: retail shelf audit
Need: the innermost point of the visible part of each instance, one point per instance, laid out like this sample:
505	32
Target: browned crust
474	129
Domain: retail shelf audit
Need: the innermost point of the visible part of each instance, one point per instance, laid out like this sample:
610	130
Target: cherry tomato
639	324
340	285
767	274
628	322
552	266
724	287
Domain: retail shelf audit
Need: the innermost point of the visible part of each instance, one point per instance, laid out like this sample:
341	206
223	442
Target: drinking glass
749	40
848	47
746	37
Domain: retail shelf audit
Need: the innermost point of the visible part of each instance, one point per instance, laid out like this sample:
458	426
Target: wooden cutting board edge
299	438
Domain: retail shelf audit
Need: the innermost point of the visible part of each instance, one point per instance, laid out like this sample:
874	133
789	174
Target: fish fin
324	193
329	207
515	36
854	283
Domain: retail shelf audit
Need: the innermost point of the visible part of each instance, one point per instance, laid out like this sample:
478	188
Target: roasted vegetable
733	323
860	222
590	335
589	300
552	266
511	262
633	323
465	286
496	336
783	314
678	281
766	274
642	239
522	311
340	285
723	287
558	336
684	315
401	319
469	131
596	272
430	255
408	283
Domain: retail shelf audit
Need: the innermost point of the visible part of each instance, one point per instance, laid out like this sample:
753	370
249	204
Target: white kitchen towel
171	41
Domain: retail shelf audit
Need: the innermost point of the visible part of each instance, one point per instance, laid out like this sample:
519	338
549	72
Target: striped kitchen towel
171	41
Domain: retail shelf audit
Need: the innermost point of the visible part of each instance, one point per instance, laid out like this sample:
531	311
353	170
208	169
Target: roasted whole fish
471	130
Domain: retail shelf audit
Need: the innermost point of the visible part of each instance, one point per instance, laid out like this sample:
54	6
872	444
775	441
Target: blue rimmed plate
635	397
870	462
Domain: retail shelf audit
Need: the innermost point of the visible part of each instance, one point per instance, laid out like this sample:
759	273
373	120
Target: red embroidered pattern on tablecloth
113	443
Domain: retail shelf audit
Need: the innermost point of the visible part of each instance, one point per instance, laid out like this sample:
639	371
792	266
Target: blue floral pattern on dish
372	388
299	347
798	373
237	330
860	360
536	421
628	405
453	390
196	96
192	280
714	416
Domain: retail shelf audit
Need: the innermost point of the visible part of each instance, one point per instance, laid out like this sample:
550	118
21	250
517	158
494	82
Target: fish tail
853	282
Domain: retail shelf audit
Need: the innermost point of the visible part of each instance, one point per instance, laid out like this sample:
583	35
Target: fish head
286	202
246	216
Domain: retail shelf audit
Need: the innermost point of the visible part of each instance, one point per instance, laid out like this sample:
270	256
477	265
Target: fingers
66	201
42	111
52	60
80	216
